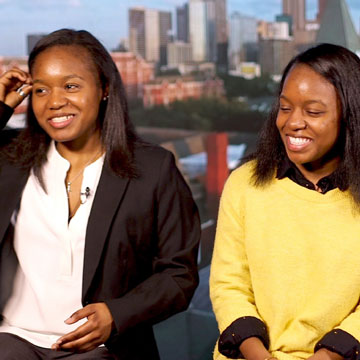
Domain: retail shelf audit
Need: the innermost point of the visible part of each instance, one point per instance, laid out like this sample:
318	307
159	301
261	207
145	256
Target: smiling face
309	120
67	94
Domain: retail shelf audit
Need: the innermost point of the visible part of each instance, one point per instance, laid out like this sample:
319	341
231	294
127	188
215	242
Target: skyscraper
198	29
152	35
182	23
243	39
208	29
32	39
221	35
321	8
296	9
137	31
149	32
165	27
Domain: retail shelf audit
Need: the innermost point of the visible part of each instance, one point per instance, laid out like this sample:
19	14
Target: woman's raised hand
15	85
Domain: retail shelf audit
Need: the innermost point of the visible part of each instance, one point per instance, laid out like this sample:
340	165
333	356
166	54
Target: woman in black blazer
142	231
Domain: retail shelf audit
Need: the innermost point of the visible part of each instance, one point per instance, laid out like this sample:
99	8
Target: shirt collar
288	169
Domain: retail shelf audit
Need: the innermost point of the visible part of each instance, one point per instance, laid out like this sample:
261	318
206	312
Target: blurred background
200	77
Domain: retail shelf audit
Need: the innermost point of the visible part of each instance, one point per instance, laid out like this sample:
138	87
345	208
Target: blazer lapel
108	196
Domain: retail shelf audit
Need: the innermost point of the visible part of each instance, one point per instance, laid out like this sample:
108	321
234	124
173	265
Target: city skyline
109	22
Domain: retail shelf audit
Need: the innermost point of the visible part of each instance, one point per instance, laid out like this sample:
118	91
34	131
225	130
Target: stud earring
106	97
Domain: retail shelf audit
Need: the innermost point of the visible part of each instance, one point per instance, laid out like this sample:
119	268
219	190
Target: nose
296	120
57	99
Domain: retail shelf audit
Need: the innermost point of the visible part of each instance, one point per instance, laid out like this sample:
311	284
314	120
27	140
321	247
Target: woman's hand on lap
89	335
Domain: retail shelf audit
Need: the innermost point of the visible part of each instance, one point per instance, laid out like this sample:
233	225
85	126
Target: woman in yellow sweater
285	275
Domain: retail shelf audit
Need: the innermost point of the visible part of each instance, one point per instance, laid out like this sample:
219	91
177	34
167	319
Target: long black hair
341	68
117	133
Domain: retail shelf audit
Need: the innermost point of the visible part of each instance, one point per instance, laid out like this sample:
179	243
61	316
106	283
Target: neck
78	154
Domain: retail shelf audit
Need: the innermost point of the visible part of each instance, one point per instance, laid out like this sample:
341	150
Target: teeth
61	118
298	141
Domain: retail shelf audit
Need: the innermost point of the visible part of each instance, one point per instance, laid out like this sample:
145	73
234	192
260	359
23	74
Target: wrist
326	354
254	349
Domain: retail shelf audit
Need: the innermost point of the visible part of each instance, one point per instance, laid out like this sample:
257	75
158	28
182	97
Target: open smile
297	143
61	121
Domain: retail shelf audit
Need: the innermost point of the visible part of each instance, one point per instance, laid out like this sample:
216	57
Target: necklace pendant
68	187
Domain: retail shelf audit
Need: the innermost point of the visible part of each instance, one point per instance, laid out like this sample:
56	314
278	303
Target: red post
217	169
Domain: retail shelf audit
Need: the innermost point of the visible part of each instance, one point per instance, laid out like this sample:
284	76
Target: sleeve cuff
340	342
238	331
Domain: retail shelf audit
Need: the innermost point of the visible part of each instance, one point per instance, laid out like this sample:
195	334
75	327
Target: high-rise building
337	27
297	10
182	23
208	30
221	35
152	35
321	8
149	33
165	27
198	29
275	55
137	31
211	32
243	39
32	39
179	53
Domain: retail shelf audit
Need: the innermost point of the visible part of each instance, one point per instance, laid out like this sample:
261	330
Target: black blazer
140	248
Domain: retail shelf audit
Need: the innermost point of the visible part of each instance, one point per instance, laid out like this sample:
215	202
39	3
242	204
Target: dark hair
117	134
341	68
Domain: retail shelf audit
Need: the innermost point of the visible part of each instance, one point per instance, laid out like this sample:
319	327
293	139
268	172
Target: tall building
149	32
32	39
275	55
297	10
336	26
208	30
211	33
152	35
321	8
198	30
221	35
287	19
182	23
137	31
179	53
165	27
243	39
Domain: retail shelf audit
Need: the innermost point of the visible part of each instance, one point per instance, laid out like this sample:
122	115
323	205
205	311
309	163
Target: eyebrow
309	102
68	77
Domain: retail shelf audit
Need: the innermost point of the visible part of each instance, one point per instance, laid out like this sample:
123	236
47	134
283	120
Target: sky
108	19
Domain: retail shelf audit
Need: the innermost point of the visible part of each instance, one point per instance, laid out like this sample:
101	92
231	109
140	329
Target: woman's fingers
15	85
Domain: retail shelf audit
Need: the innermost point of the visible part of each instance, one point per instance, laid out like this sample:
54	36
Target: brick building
164	91
135	72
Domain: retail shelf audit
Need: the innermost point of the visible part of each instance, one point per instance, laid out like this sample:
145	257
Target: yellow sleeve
230	282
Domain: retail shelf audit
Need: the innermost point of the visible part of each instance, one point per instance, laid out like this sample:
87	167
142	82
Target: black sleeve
170	287
340	342
5	114
238	331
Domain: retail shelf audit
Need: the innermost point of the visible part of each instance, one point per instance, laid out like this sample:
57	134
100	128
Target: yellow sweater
290	257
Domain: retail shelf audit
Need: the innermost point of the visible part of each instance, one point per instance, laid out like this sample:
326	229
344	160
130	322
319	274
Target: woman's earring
106	97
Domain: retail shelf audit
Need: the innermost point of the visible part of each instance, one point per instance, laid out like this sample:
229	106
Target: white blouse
48	282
